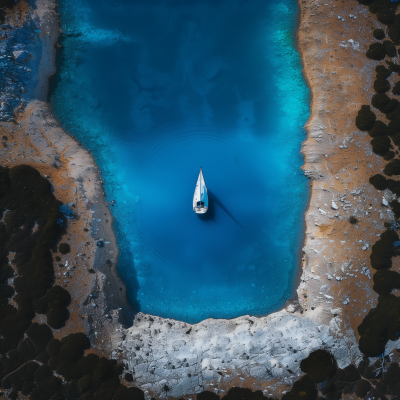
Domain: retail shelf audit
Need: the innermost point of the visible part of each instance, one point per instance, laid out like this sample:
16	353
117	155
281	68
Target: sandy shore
335	290
339	160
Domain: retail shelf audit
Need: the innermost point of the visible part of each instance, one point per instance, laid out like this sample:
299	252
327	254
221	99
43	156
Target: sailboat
200	198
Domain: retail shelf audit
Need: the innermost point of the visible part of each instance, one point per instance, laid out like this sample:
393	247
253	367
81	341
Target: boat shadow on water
210	214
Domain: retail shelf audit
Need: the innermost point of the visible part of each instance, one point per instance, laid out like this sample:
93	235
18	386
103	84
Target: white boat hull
200	197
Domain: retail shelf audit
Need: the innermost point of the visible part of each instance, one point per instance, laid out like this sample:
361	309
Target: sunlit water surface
156	90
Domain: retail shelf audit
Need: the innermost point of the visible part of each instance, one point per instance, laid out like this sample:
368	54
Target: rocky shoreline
167	358
34	138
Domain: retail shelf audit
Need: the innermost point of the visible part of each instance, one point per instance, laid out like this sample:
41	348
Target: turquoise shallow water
156	90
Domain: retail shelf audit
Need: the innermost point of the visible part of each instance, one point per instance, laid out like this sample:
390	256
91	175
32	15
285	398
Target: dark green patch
206	395
303	389
382	72
389	155
237	393
385	281
390	109
362	388
380	101
381	85
64	248
54	304
365	119
319	365
379	34
132	393
380	325
394	31
353	220
383	250
381	145
376	51
396	89
392	168
393	66
393	186
379	129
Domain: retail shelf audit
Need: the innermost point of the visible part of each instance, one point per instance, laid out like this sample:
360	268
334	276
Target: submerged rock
21	55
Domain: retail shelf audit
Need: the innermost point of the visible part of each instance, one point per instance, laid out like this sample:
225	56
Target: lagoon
155	90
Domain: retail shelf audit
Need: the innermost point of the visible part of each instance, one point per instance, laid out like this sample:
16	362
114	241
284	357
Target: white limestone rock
186	357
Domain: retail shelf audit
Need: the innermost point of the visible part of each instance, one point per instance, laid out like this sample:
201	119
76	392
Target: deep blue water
156	90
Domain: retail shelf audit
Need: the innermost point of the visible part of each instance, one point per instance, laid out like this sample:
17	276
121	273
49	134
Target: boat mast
201	174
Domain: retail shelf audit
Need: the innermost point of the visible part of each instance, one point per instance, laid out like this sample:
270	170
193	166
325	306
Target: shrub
396	88
385	281
379	34
353	220
392	168
53	347
56	297
393	186
132	393
394	31
382	72
376	51
380	100
389	155
70	351
64	248
347	374
304	389
386	16
379	129
365	119
383	250
365	2
381	145
319	365
379	326
393	67
381	85
57	317
394	128
378	181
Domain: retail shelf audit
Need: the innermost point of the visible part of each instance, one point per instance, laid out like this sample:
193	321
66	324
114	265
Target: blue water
156	90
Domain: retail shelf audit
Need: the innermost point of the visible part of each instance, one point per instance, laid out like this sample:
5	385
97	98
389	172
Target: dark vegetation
381	145
380	325
29	355
319	365
376	51
379	34
365	119
392	168
383	250
64	248
381	84
390	48
381	183
383	322
353	220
